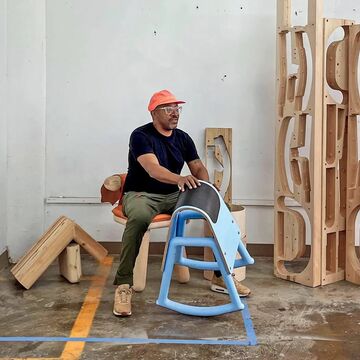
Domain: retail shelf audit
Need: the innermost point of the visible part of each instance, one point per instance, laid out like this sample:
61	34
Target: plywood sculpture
32	265
323	176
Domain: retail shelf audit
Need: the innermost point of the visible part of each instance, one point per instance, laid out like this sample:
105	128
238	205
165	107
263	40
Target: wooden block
113	183
70	263
32	265
89	244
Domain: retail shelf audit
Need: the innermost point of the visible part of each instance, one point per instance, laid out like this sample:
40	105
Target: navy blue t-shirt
171	151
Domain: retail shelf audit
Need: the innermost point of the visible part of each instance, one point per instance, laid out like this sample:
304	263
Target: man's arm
151	165
198	169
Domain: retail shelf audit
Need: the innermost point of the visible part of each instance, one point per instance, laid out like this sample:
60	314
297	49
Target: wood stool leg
140	268
70	263
182	273
239	214
208	256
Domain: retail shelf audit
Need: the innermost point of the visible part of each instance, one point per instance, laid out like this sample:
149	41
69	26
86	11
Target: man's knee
140	217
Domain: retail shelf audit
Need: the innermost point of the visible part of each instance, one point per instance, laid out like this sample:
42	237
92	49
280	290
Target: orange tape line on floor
83	322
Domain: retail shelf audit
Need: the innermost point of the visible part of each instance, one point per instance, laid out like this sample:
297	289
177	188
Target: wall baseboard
157	248
4	259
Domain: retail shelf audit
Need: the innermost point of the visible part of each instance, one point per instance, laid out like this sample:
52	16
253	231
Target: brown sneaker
218	285
122	301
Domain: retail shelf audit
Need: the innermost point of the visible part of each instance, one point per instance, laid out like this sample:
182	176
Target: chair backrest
206	200
116	195
123	178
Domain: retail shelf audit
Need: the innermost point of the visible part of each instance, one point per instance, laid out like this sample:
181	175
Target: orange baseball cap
163	97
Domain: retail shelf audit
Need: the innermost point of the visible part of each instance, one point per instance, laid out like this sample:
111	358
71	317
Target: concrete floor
290	321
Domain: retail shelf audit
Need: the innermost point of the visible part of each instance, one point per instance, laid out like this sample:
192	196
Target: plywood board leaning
33	264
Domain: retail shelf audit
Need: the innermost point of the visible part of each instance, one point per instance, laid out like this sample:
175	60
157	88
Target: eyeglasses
171	109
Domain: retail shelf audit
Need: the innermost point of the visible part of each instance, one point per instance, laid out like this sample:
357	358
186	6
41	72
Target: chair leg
140	268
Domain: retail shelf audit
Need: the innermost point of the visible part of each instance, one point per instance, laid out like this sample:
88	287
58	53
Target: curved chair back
207	201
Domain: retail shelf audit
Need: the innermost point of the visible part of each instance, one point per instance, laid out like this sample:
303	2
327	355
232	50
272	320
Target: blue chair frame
225	244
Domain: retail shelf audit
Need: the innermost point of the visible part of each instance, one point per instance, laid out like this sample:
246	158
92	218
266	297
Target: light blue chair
204	202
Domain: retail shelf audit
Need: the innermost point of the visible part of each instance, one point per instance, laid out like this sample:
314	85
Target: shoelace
124	293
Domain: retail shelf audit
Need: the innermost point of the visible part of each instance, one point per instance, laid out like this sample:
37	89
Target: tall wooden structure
325	181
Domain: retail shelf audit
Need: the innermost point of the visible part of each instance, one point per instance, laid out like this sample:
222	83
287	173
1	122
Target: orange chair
112	191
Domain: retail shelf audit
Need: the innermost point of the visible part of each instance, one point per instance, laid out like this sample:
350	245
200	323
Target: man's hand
190	181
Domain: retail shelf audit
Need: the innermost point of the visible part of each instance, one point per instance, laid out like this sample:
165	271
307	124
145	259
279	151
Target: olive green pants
140	208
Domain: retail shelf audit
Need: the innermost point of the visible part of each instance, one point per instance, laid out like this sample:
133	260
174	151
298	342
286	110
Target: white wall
103	59
219	57
102	70
3	169
25	123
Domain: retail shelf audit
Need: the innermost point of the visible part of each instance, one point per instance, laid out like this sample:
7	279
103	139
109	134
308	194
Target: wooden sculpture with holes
317	186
